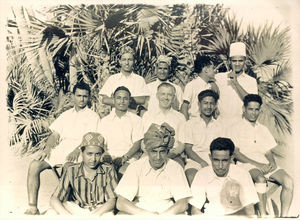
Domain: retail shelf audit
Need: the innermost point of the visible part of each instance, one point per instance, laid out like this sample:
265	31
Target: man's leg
286	195
261	188
33	184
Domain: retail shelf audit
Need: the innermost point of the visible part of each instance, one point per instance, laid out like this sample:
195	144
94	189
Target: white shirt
153	103
253	141
207	184
154	188
190	94
174	118
230	104
121	133
200	135
72	126
135	83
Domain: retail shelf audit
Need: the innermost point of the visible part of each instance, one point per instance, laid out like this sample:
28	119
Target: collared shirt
253	141
230	104
153	188
190	94
174	118
153	103
120	133
87	193
71	125
207	184
135	83
201	135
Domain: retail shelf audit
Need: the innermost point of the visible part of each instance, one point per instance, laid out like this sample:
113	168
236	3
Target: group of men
201	149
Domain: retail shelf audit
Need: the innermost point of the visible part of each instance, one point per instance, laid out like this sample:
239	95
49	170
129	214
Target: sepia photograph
159	109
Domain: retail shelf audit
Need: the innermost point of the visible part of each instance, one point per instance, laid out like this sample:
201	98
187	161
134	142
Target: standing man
228	189
206	80
255	143
199	132
162	68
121	129
165	113
154	184
135	83
67	129
90	183
234	85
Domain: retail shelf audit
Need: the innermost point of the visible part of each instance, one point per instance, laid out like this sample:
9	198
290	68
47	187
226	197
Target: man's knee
37	166
288	183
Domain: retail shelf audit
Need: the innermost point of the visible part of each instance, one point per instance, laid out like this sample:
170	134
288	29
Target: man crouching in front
154	184
89	185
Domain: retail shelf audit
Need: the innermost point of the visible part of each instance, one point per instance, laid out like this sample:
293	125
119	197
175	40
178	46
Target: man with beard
154	184
199	132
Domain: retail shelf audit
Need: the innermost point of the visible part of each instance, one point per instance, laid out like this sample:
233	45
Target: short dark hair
252	98
208	92
201	62
81	85
120	88
221	143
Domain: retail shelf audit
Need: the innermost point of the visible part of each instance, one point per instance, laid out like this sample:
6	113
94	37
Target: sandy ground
13	185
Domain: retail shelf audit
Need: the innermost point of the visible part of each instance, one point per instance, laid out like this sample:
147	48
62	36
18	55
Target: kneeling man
228	189
89	184
152	184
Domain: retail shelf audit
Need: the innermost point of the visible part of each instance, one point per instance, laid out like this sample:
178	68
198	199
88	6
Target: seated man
228	189
135	83
199	133
165	113
255	143
90	184
68	130
151	184
205	80
122	130
162	70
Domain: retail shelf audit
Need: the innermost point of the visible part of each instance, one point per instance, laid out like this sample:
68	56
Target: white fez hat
237	49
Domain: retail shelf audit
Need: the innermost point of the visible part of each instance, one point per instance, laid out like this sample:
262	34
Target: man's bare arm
184	109
106	207
57	205
178	207
192	154
129	207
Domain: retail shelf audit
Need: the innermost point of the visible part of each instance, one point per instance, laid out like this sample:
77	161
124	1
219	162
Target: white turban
237	49
165	59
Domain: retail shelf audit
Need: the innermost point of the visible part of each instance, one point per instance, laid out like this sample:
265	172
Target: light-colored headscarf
165	59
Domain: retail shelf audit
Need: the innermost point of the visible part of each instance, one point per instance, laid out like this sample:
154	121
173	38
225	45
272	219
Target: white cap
237	49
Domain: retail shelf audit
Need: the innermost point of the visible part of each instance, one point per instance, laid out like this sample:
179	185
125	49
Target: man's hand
272	167
150	78
232	79
45	154
118	162
73	156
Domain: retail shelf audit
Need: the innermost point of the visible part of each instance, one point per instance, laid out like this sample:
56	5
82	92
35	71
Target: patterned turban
126	49
92	139
159	136
230	195
165	59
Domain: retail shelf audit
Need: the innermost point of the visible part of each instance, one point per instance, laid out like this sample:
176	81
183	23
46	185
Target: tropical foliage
46	57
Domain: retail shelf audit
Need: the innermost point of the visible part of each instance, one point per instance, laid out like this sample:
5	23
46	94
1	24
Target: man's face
81	98
165	96
162	71
121	100
251	112
91	156
207	106
209	71
220	161
157	157
238	63
126	62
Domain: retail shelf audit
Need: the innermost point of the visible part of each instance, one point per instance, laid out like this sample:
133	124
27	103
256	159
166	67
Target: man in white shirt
223	188
165	113
122	130
68	130
152	184
135	83
206	80
255	143
199	132
162	68
234	85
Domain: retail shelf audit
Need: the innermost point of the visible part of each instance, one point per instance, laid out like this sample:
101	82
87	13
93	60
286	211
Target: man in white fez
234	85
154	184
223	188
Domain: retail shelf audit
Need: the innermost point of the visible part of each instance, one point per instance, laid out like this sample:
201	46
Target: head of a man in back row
237	56
252	107
207	100
81	95
162	67
126	60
